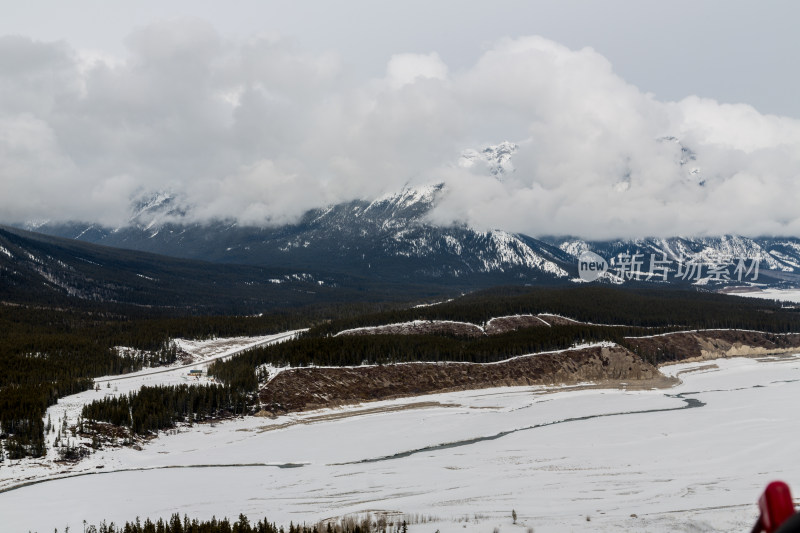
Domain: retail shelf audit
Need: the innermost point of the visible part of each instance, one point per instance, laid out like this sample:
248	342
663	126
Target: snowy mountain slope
778	259
496	159
391	239
388	238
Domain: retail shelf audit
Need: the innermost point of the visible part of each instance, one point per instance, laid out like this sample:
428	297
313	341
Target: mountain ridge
40	269
392	238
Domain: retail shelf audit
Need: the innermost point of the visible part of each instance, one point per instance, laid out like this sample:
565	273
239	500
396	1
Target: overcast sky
260	110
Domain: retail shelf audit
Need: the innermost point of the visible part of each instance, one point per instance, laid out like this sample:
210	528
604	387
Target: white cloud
408	68
261	130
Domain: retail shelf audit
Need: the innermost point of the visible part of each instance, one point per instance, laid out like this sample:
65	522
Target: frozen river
692	458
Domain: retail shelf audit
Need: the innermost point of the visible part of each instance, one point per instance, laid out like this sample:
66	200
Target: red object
776	507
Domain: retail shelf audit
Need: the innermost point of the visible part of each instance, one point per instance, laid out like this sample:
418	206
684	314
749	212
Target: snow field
556	457
783	295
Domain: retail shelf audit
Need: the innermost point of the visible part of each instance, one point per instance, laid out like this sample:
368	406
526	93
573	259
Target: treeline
155	408
350	350
176	525
44	355
597	304
243	525
22	410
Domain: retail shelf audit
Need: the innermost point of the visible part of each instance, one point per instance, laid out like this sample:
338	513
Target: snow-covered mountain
727	259
387	238
496	159
392	239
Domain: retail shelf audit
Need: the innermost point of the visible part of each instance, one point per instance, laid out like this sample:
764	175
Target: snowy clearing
783	295
693	458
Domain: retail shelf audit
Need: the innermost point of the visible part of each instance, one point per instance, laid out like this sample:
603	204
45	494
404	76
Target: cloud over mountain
260	130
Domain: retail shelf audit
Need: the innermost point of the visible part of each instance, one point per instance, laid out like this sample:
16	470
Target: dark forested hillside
40	270
597	304
384	349
607	313
154	408
47	353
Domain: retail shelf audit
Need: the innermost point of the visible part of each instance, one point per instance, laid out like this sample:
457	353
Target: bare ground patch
694	346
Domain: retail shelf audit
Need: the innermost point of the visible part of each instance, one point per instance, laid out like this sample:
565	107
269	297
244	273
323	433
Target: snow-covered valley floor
692	458
783	295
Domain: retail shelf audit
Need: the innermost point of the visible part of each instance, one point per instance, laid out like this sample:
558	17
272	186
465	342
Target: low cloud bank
261	131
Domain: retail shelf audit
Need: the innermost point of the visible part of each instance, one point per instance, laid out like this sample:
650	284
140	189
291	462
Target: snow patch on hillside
509	250
784	295
413	327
